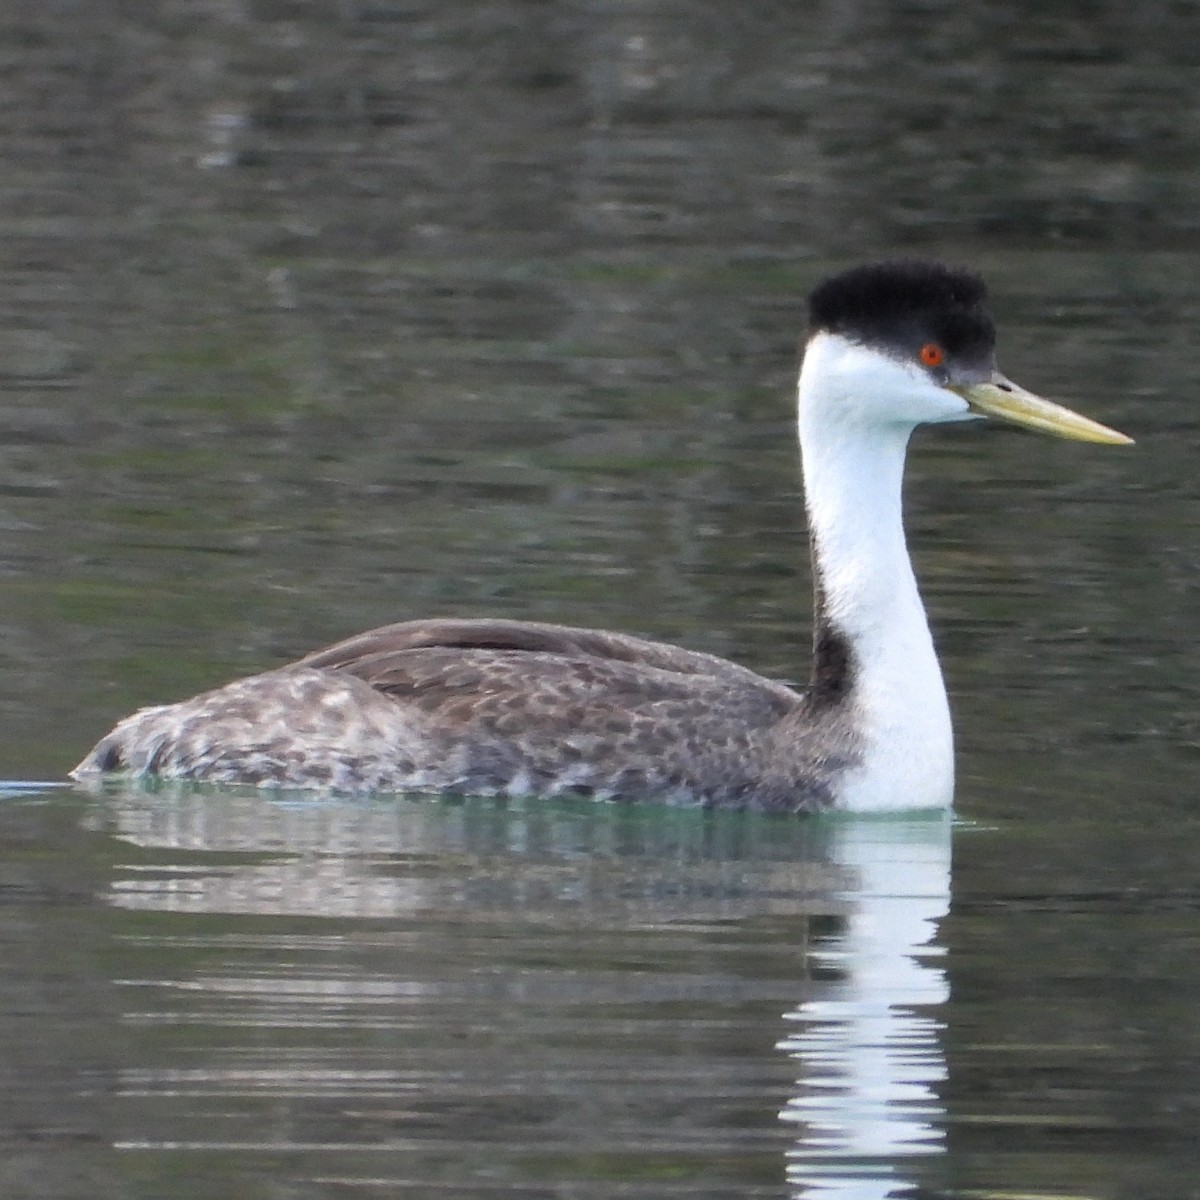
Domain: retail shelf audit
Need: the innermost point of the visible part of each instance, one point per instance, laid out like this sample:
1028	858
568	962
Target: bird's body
494	707
491	707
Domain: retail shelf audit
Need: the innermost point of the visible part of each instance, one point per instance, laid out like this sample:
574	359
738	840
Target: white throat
853	463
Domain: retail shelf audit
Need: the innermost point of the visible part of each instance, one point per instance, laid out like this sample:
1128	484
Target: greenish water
212	994
314	320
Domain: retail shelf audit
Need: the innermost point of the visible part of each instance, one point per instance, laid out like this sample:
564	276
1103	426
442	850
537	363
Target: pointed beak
1001	398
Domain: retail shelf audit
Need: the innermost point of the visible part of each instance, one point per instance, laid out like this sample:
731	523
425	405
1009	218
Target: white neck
853	477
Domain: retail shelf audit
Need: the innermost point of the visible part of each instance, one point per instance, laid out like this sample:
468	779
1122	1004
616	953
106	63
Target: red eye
932	354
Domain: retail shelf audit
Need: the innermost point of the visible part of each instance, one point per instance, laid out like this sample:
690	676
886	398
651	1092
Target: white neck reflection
869	1045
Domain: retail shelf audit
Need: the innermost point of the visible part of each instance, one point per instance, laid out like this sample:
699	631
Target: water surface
315	319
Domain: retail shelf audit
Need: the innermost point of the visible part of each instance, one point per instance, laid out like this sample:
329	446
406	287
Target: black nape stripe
833	664
833	669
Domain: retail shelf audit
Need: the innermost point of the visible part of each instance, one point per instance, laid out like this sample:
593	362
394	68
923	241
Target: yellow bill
1001	398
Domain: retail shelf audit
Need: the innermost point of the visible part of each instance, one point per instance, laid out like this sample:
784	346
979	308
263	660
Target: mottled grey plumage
489	707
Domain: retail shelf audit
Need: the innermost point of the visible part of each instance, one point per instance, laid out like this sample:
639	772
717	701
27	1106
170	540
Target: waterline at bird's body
494	707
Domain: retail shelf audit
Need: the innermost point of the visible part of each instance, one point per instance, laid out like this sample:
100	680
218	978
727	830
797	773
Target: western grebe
498	707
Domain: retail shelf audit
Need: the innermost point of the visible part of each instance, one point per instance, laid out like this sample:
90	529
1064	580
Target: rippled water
317	318
207	992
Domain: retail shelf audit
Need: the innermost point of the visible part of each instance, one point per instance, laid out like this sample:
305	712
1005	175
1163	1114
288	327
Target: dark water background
315	316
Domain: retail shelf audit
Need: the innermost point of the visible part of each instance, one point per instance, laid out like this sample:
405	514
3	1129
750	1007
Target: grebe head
893	345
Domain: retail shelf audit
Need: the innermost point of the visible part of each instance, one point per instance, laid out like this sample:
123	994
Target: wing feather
460	653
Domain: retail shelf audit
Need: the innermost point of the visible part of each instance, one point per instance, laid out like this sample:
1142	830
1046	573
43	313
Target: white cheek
941	405
915	398
845	384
